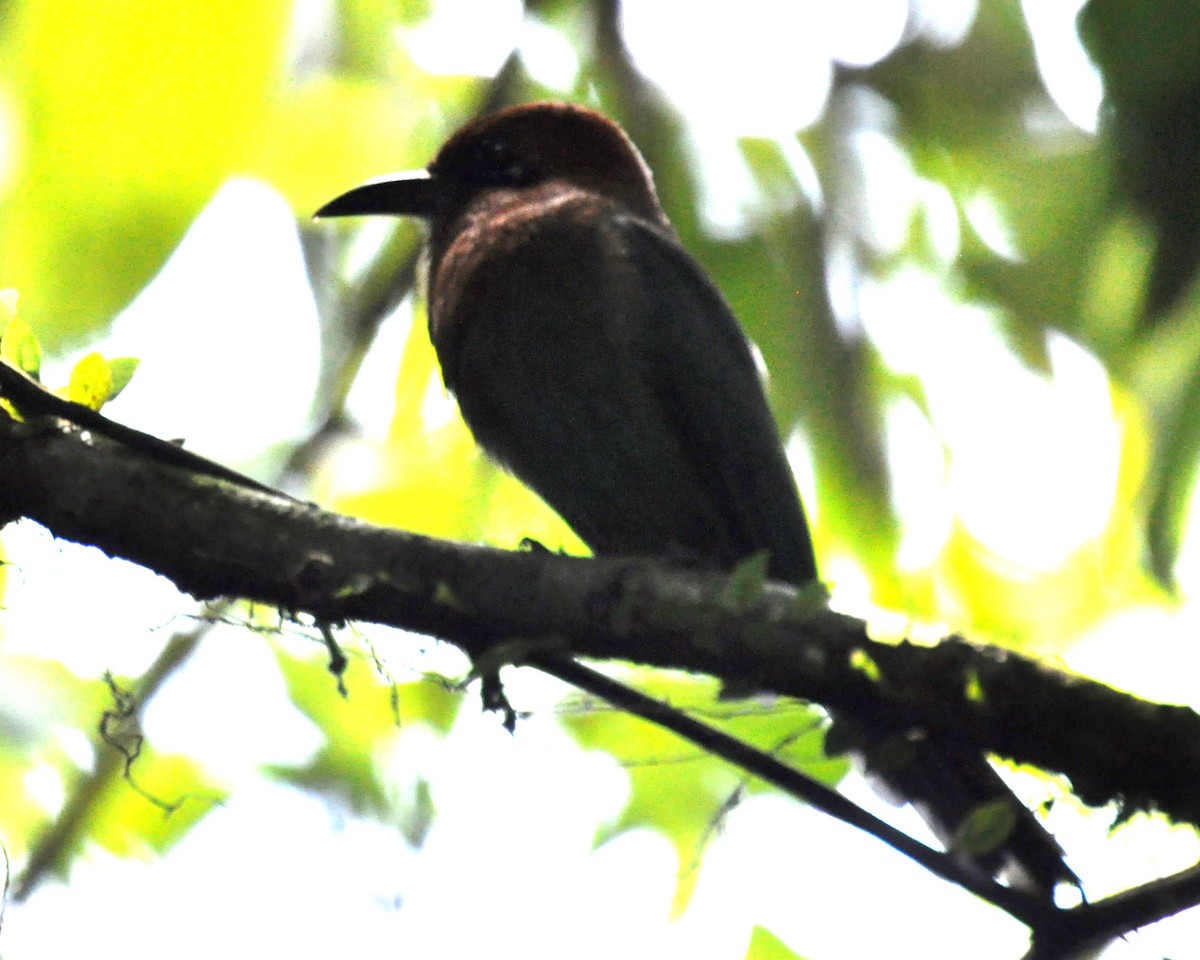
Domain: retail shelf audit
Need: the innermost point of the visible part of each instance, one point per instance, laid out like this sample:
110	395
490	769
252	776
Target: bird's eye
495	163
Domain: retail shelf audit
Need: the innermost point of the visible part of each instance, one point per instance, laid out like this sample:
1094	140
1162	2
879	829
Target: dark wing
541	336
706	379
591	355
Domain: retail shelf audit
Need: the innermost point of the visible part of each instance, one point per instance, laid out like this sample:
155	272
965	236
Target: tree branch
215	538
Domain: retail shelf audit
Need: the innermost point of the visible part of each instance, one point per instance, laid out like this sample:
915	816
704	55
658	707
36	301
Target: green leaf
985	828
128	808
683	792
122	370
20	347
152	807
764	945
746	583
91	382
356	727
134	114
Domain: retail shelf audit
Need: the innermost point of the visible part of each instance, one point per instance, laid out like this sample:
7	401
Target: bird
592	356
588	351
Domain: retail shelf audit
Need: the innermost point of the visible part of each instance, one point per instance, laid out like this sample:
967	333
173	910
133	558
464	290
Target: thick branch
214	538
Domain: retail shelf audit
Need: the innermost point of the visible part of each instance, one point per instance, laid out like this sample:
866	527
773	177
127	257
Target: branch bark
215	538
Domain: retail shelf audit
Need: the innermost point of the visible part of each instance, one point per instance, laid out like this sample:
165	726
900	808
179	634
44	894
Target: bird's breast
525	267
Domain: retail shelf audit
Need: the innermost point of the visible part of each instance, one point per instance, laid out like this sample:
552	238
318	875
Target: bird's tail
969	807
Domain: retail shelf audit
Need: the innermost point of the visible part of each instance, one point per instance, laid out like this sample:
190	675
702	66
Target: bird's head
521	151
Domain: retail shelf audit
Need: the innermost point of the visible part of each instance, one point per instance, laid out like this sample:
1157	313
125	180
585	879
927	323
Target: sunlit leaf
132	115
91	382
357	728
20	348
664	770
162	798
129	810
764	945
122	370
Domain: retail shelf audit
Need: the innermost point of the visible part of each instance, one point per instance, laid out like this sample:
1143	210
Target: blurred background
964	235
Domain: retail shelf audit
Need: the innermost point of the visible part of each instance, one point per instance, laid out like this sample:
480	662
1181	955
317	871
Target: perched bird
592	356
588	351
